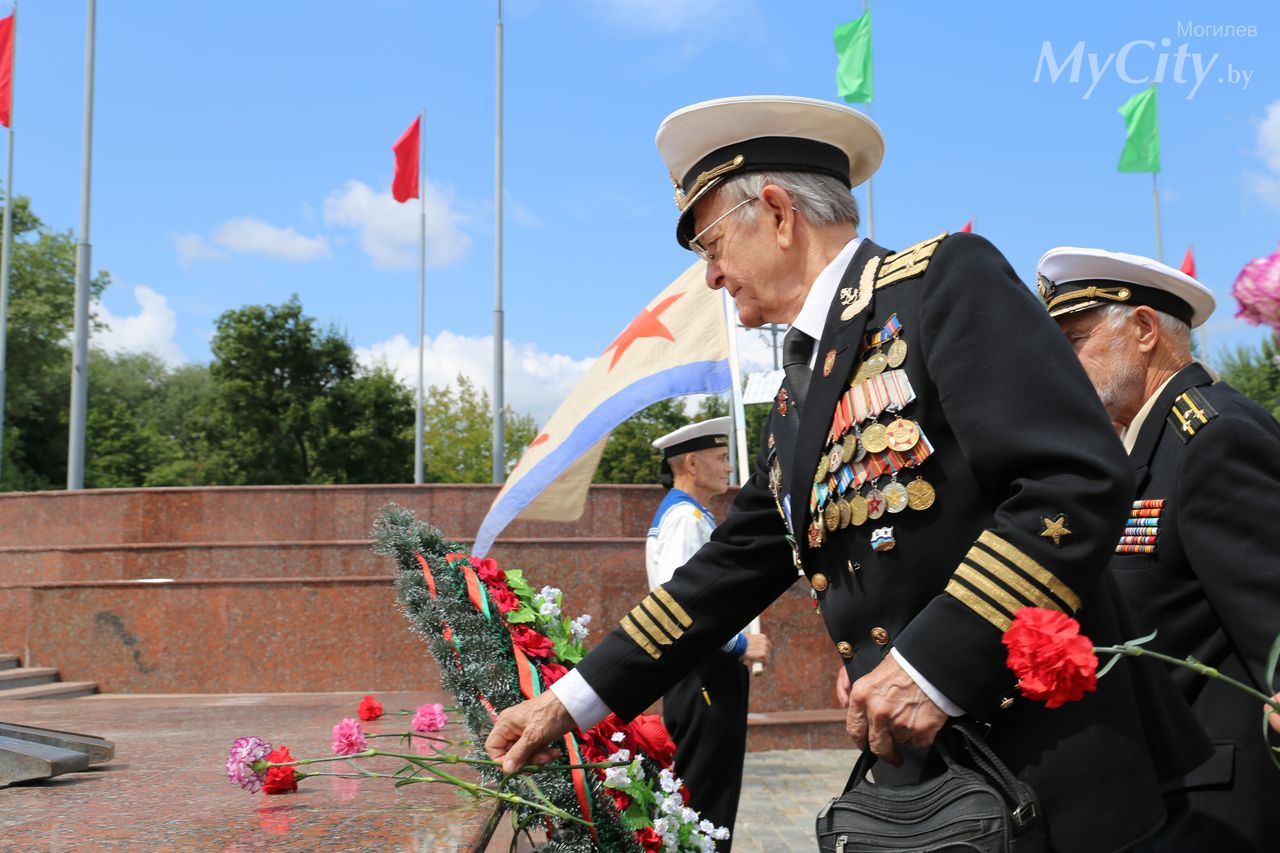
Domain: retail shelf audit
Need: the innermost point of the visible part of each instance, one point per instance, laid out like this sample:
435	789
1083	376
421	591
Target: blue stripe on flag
699	377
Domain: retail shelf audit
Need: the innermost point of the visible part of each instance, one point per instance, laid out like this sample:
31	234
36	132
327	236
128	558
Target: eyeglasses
696	243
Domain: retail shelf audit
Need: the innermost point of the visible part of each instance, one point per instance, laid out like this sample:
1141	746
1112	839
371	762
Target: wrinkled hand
887	708
758	649
1274	718
842	687
521	733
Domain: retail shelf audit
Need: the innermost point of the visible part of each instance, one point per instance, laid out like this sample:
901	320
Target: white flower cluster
675	816
622	776
548	601
578	627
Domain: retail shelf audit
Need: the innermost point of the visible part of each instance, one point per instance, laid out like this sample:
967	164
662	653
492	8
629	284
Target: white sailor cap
706	142
1071	279
699	436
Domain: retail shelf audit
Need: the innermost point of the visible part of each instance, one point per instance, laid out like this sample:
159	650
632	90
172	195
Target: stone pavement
782	792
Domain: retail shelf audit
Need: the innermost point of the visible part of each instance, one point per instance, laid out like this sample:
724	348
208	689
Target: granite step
8	661
26	676
54	690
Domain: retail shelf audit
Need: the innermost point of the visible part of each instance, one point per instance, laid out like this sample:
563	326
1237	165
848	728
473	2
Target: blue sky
242	152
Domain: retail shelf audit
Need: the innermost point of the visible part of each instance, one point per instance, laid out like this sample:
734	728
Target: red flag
968	227
404	185
6	71
1189	263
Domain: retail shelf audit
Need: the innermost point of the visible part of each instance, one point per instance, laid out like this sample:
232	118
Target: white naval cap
708	141
1072	279
699	436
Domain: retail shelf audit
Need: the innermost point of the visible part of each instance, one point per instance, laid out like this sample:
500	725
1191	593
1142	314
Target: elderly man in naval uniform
935	460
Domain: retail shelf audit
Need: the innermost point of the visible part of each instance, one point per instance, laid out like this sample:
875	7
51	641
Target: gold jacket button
819	582
845	649
880	636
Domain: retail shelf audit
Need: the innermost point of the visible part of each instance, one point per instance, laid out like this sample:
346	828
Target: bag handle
1021	802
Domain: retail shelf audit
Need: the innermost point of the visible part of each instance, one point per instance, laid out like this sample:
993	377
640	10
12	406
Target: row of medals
901	435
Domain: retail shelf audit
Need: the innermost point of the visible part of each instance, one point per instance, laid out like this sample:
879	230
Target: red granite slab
166	789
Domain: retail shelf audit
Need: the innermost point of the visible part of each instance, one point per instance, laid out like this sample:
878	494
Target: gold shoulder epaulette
908	263
1190	412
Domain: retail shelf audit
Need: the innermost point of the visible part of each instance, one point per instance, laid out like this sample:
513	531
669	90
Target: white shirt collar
1129	435
813	314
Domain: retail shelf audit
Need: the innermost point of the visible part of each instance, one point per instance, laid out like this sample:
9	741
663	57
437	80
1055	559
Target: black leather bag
979	808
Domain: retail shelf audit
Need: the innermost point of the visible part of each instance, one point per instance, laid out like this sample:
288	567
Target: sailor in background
706	713
1199	558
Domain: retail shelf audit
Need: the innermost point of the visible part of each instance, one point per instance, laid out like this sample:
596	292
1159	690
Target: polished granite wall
275	588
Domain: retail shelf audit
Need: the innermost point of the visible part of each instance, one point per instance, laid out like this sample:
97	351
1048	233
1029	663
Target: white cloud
536	381
152	329
389	230
1267	186
248	235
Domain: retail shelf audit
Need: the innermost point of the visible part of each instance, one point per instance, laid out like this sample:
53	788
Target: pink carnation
429	718
1257	289
348	739
246	752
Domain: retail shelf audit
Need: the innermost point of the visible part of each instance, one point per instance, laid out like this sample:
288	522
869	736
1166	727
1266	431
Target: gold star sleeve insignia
1055	529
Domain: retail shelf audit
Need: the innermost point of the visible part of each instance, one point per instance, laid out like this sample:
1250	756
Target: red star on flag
645	325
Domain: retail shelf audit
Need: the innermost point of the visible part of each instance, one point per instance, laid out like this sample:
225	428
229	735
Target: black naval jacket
1202	566
1021	448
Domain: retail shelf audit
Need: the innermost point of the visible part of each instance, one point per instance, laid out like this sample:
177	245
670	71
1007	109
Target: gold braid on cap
1111	294
682	197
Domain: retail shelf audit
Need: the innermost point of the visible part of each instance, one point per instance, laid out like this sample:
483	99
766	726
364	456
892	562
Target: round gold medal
897	353
902	435
831	515
875	504
874	438
849	448
920	494
875	363
844	513
821	473
857	510
895	497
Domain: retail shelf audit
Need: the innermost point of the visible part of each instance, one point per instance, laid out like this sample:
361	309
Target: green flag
853	70
1142	134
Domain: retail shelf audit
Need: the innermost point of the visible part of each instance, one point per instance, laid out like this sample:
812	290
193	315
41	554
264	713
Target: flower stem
1187	663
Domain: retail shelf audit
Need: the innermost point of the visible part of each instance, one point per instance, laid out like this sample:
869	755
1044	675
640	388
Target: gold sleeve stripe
970	599
639	638
671	604
990	588
642	619
1031	568
1032	596
655	610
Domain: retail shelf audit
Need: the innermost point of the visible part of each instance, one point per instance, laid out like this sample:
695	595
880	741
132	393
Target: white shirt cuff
951	709
580	700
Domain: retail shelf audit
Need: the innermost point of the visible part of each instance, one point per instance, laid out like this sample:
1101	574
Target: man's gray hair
820	199
1171	327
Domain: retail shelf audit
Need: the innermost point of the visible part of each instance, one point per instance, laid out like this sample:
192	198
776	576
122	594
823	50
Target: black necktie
797	348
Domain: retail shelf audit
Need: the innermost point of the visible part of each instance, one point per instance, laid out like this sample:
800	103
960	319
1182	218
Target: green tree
1255	372
458	434
629	456
38	358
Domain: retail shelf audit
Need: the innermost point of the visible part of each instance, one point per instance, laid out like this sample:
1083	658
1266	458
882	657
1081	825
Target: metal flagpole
871	205
738	447
422	297
80	356
499	442
1155	198
6	253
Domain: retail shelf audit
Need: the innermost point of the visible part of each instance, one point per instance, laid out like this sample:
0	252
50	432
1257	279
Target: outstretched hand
887	708
521	733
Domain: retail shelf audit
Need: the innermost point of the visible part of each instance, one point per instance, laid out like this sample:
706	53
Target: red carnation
488	571
649	839
504	598
1052	659
280	780
651	738
551	673
370	708
531	642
